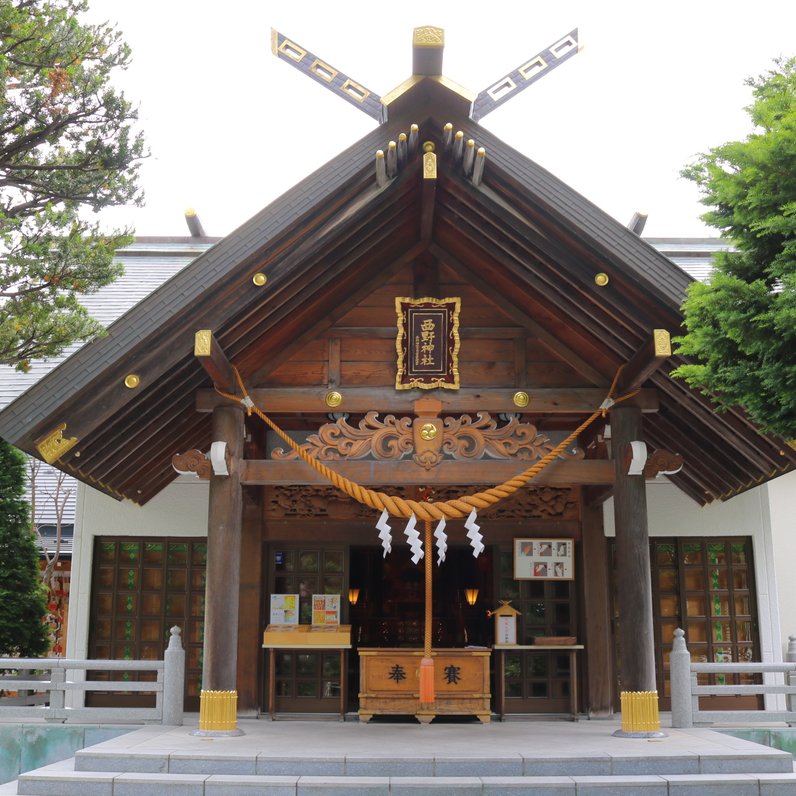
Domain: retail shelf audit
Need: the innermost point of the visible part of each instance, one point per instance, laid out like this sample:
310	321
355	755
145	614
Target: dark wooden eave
525	239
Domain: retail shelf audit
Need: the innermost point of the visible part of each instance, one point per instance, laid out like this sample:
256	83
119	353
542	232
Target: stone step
730	761
62	782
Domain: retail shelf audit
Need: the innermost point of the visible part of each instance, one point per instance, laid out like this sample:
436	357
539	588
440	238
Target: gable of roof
523	236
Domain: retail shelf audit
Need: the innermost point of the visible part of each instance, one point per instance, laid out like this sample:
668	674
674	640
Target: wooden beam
655	351
212	358
486	472
565	401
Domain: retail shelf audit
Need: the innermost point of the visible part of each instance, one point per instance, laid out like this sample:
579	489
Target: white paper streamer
413	537
473	534
442	541
384	533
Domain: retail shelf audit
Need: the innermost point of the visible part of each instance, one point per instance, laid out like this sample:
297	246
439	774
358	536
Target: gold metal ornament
259	279
333	398
601	279
428	431
202	342
132	380
663	343
521	398
54	445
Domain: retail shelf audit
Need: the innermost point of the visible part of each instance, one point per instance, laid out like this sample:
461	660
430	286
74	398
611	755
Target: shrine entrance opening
388	614
389	611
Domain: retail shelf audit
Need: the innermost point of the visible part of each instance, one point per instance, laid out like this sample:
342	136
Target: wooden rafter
212	358
648	358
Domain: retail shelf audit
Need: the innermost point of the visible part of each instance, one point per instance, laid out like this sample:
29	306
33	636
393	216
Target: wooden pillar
597	616
222	589
250	636
633	578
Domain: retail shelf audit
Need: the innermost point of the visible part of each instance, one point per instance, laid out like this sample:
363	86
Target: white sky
231	127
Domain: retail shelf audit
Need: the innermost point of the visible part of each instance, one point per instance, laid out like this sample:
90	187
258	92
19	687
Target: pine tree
67	148
22	596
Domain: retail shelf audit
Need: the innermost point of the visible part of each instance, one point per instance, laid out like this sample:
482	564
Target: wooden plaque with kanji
427	343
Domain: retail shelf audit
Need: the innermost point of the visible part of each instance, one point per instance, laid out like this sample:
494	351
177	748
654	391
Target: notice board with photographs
544	559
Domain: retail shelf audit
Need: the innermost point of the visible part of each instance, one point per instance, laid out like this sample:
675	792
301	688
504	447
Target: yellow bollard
640	712
218	711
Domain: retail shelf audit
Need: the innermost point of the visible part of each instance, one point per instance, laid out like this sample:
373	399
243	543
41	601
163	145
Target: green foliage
22	596
66	147
742	323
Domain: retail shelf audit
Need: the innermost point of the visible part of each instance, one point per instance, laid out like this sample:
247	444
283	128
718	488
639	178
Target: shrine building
441	328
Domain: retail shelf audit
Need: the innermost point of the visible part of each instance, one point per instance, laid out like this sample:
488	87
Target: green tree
741	325
22	595
66	147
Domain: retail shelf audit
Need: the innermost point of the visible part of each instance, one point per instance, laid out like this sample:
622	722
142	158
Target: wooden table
272	648
572	649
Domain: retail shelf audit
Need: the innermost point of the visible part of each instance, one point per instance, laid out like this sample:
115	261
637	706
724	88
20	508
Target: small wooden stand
389	683
315	638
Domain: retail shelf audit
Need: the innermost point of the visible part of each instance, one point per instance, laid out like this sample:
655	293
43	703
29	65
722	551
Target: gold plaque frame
427	343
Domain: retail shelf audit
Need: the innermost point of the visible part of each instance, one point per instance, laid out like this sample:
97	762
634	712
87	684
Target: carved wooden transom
394	438
305	502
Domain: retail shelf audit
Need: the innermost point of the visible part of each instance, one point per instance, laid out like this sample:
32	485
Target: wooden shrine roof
527	241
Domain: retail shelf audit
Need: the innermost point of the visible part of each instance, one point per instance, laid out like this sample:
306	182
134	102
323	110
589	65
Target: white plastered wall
782	502
179	510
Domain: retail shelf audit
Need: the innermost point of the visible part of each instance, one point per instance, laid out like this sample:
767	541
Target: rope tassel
427	695
427	663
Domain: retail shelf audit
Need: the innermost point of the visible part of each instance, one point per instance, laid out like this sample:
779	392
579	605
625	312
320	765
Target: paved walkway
553	740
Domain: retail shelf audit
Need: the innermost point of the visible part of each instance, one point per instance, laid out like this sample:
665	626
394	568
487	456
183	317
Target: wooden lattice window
706	586
141	587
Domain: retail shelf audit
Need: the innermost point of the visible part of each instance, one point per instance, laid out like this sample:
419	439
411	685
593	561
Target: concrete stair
691	765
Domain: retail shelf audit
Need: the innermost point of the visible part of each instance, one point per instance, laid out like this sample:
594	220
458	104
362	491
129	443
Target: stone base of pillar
640	717
218	714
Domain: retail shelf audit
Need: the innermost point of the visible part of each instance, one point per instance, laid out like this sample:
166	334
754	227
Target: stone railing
686	691
48	679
